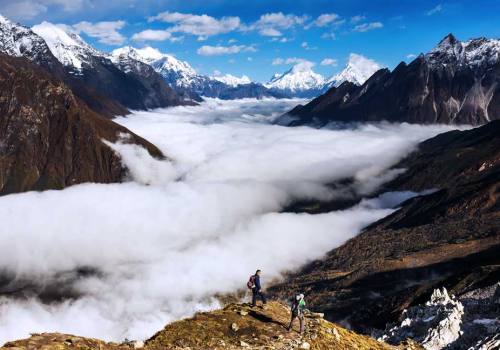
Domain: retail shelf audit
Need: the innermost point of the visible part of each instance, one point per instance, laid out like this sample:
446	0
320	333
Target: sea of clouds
179	232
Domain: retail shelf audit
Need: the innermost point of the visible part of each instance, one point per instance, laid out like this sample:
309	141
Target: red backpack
251	282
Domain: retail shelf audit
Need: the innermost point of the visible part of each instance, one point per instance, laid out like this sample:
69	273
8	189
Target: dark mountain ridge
455	83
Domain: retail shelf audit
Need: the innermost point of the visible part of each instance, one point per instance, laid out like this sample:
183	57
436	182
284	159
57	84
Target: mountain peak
3	19
300	77
68	47
474	52
20	41
357	70
232	80
449	39
147	54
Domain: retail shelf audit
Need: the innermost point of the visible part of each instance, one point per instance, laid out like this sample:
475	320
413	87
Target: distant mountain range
456	82
302	81
299	81
128	77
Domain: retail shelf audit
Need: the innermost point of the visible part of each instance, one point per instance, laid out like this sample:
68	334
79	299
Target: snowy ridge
232	80
69	48
19	41
176	72
300	77
146	55
475	52
357	71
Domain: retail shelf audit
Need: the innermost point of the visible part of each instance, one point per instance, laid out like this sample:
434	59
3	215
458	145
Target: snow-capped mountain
454	83
358	69
300	81
146	55
130	82
187	82
471	53
19	41
176	72
68	47
232	80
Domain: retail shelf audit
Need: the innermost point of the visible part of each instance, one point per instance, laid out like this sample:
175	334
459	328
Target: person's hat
300	296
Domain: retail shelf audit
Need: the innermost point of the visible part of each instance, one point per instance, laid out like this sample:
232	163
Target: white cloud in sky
201	25
329	35
411	56
208	50
357	19
106	32
365	27
328	19
271	24
270	32
438	8
281	39
329	62
29	9
155	35
152	35
305	46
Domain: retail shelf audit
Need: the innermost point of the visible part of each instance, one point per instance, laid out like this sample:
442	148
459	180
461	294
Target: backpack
251	282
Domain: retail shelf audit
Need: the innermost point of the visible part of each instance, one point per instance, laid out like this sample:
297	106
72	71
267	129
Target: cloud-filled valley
161	245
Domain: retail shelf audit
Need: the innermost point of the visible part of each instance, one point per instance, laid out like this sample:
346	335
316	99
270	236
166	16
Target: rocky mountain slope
237	326
49	138
456	82
449	237
130	82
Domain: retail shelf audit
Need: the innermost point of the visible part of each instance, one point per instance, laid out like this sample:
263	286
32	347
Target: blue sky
247	37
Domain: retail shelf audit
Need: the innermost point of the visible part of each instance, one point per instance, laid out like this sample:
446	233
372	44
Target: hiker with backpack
298	308
254	284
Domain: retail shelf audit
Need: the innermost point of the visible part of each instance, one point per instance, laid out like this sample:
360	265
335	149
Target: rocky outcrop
449	237
435	325
237	326
49	139
444	322
455	83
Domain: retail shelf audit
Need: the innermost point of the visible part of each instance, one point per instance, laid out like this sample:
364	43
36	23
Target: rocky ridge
455	83
447	322
237	326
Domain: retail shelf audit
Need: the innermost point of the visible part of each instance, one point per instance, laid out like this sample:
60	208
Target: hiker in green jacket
298	308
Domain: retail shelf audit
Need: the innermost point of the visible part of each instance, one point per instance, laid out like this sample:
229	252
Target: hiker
298	308
254	285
